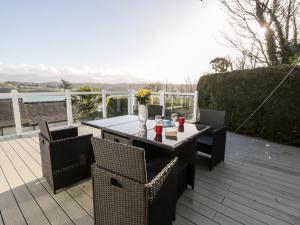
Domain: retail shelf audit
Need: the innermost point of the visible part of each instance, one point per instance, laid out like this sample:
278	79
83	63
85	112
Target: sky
109	41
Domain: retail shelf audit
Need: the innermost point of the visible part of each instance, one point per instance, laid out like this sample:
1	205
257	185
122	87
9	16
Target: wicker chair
154	110
115	137
213	142
66	157
124	192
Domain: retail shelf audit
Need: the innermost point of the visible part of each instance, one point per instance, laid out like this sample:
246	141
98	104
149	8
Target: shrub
239	93
86	106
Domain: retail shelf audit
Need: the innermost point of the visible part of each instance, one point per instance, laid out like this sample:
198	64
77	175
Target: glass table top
180	134
111	121
129	125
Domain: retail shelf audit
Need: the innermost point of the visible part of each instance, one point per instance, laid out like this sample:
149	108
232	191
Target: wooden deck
259	183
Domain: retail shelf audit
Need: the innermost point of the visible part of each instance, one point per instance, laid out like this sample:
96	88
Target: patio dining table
183	145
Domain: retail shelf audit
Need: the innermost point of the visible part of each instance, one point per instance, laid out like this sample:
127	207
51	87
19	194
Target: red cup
158	138
180	128
158	129
181	121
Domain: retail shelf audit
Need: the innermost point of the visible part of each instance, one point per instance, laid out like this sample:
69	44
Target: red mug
158	138
181	121
158	129
180	128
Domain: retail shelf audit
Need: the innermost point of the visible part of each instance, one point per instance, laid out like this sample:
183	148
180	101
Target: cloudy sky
109	41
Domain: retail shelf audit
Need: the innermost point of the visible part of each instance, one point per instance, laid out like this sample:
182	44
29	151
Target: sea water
41	98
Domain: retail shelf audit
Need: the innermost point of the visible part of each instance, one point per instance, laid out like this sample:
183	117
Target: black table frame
185	150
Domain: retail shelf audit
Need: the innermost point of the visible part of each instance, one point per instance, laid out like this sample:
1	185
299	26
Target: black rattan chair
213	142
154	110
115	137
125	192
66	157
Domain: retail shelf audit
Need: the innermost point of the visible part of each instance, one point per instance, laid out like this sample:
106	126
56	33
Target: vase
143	116
143	132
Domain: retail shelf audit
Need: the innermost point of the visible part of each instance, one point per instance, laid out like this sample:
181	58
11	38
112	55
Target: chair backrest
154	110
118	200
213	118
124	160
44	128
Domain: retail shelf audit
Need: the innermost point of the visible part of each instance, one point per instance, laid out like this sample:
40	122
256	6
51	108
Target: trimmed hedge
240	92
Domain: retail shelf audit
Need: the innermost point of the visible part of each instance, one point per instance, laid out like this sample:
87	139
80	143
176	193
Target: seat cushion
205	139
150	175
205	143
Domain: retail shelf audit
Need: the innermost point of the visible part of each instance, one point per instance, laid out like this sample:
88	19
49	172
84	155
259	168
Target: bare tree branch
279	19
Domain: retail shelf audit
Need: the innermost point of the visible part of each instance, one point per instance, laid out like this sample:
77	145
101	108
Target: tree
264	32
221	64
65	84
190	84
154	86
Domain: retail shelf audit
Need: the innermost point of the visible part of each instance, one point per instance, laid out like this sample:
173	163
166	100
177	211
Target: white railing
15	95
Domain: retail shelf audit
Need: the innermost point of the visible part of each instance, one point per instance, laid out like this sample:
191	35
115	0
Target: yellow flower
143	92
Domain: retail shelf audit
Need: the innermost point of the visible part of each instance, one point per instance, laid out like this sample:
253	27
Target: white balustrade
130	101
69	107
162	101
130	94
104	108
16	109
195	108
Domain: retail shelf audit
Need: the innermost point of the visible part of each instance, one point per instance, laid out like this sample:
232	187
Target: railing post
195	109
69	107
132	100
104	109
162	101
129	105
16	109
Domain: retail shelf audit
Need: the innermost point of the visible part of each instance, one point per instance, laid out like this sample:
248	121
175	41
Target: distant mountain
42	79
33	86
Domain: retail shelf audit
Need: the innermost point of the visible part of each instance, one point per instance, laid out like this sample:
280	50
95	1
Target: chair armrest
155	185
219	137
218	148
162	195
64	133
73	140
220	131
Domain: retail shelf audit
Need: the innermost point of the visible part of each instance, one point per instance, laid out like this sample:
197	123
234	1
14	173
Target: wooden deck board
30	175
75	212
26	201
259	183
10	211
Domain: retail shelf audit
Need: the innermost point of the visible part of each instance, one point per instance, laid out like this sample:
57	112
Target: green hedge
240	92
